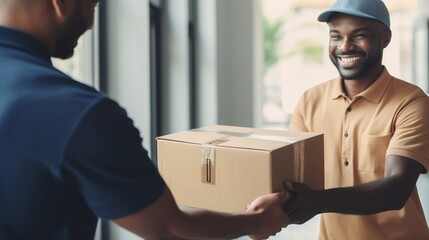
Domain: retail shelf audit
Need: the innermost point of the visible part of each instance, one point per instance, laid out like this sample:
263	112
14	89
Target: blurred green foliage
272	37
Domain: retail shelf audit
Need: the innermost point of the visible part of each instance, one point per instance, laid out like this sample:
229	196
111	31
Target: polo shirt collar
373	93
338	91
14	39
376	91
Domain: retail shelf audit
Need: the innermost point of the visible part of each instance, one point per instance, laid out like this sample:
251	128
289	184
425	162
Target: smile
349	59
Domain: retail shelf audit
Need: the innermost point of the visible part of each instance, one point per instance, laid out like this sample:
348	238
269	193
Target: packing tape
208	158
208	161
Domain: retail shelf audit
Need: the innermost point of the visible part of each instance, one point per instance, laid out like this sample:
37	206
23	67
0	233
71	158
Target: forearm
378	196
388	193
197	224
164	220
263	218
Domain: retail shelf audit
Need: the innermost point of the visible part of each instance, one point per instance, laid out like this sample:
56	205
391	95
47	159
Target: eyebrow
354	31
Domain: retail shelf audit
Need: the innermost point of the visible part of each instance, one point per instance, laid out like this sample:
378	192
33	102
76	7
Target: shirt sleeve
297	122
105	163
411	136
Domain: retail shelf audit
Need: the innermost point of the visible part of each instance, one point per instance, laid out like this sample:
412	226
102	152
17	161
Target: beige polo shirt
391	117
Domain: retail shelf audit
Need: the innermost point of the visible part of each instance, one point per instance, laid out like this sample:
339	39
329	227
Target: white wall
127	67
423	6
237	71
206	89
229	63
128	59
176	108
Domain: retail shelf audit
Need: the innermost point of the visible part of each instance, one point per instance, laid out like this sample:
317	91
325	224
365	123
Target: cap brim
325	16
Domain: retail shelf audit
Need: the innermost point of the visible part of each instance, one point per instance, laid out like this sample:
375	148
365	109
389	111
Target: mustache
338	53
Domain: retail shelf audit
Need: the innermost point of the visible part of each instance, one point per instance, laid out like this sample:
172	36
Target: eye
360	35
335	37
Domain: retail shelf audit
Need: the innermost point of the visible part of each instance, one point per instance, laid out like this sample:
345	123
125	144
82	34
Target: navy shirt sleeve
105	162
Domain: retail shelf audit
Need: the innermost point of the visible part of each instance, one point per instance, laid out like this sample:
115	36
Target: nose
345	45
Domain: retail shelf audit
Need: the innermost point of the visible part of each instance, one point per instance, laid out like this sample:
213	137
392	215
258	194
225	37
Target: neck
29	17
356	86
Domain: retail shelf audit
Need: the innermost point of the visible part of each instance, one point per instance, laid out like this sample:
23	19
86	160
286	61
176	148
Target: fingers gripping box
223	168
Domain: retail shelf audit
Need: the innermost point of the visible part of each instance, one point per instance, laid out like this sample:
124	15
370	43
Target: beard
359	71
68	37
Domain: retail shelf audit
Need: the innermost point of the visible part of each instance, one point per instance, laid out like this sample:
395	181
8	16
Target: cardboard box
223	168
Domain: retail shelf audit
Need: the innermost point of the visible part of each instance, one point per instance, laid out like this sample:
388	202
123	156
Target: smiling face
356	46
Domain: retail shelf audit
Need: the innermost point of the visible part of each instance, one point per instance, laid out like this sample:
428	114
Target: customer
69	155
376	130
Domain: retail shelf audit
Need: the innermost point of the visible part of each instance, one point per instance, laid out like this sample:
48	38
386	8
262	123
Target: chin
62	54
350	76
64	47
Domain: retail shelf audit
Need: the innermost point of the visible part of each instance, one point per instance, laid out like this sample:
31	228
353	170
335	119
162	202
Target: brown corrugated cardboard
224	168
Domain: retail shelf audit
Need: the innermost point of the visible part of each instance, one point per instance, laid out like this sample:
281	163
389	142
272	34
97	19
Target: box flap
191	137
238	137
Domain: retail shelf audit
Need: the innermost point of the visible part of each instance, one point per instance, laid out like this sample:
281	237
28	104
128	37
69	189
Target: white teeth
349	59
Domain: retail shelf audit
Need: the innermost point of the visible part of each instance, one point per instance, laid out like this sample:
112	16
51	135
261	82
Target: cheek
91	21
333	44
370	44
89	16
365	46
332	48
89	13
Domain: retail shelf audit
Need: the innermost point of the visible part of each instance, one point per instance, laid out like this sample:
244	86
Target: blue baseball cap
372	9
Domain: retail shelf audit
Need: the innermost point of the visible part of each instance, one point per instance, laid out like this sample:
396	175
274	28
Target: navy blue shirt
68	154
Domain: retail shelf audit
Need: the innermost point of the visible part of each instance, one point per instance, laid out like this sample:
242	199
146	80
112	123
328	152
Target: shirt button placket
346	136
346	162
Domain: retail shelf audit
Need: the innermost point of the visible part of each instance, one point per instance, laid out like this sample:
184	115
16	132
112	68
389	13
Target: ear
387	37
63	9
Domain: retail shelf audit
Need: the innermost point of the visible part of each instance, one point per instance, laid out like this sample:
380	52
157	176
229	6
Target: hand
273	218
303	205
